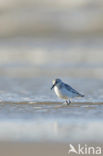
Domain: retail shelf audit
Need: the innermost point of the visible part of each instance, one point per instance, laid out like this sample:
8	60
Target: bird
64	91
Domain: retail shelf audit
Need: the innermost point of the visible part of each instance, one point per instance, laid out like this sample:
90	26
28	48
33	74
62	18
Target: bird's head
55	82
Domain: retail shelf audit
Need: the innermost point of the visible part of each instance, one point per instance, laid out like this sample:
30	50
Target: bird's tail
81	95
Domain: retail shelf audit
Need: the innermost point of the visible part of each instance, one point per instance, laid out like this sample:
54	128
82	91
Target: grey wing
69	88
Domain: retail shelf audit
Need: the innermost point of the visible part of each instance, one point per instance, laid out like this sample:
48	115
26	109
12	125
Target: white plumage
65	91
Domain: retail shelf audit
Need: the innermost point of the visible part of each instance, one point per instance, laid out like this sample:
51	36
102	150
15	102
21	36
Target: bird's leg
68	103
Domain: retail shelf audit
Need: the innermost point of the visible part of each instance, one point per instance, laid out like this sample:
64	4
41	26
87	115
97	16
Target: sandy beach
32	149
38	149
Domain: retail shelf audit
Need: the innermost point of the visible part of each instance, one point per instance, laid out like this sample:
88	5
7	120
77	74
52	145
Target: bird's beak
53	86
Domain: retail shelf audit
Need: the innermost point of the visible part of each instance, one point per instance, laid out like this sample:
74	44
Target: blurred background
51	38
40	41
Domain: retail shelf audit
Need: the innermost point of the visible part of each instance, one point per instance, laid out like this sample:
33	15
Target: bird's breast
60	93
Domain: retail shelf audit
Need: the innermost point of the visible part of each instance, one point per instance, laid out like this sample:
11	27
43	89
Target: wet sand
46	122
38	149
32	149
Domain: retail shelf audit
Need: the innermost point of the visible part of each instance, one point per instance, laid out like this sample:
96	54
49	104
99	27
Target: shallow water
30	111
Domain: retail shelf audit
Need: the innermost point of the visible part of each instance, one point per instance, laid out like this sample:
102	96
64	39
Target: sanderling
64	91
